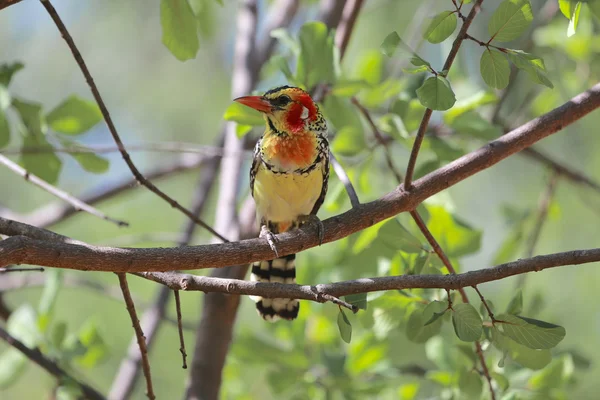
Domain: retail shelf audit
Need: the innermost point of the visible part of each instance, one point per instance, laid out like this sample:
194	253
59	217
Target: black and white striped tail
280	270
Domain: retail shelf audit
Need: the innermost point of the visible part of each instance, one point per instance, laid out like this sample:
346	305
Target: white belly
283	197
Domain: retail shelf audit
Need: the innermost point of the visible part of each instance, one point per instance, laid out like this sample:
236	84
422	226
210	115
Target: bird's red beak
256	102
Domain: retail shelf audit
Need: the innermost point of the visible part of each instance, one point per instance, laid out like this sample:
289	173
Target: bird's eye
281	100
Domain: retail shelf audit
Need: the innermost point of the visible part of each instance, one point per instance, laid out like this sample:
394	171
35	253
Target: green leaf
243	115
87	159
344	326
554	376
473	125
180	34
316	61
494	68
467	322
443	150
441	27
594	7
533	65
436	93
471	103
348	141
395	236
284	37
74	116
58	334
501	380
7	71
455	236
68	392
282	64
49	295
530	332
571	10
515	307
22	324
416	330
436	309
470	384
348	88
12	365
4	130
390	44
45	165
369	68
94	349
359	300
31	116
529	358
510	20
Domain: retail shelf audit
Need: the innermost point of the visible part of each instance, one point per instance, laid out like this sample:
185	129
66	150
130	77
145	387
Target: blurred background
156	99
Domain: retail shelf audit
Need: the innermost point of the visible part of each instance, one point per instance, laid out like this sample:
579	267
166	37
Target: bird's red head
287	109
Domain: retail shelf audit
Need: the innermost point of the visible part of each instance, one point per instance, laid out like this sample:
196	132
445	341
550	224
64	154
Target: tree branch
139	333
54	213
66	197
346	25
427	114
111	127
20	249
187	282
37	357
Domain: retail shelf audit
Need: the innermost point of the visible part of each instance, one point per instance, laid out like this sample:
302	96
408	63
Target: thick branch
86	257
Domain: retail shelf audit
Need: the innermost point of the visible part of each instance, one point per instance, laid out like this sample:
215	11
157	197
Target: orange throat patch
295	151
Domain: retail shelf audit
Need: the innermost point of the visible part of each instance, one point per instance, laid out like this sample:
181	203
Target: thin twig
50	366
138	332
544	203
330	12
427	114
379	137
345	179
128	372
24	269
76	203
159	147
54	213
180	329
346	25
111	127
188	282
442	255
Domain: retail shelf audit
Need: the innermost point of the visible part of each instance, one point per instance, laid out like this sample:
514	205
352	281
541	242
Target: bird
288	181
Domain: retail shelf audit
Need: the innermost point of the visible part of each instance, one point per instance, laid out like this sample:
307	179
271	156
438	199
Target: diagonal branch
66	197
21	249
427	114
54	369
111	127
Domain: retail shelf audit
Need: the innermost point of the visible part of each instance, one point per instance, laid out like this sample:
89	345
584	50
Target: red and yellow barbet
288	181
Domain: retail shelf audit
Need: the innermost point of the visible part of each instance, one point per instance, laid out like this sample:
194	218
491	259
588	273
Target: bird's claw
314	220
265	233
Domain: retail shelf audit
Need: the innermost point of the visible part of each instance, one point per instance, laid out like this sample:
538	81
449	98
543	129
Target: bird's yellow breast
282	197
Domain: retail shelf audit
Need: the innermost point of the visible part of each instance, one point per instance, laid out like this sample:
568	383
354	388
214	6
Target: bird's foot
315	221
265	233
